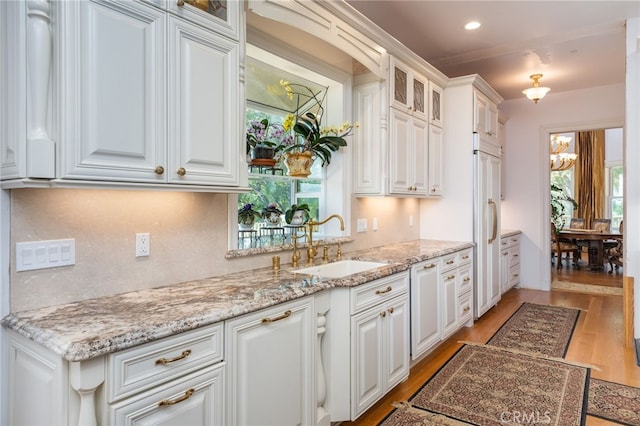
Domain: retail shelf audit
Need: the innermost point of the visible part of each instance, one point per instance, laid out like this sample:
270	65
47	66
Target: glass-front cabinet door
222	16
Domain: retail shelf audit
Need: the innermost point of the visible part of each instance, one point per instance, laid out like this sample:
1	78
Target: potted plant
265	140
297	214
310	140
559	200
247	216
271	213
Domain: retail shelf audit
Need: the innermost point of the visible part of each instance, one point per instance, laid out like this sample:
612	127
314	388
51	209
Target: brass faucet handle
339	251
325	253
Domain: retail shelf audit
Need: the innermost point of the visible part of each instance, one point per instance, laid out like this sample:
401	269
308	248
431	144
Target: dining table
595	240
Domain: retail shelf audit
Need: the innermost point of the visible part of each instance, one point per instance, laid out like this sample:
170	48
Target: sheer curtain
589	175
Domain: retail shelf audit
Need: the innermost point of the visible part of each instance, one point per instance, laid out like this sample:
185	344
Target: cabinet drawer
449	261
367	295
464	257
514	275
142	367
514	257
196	399
466	279
465	308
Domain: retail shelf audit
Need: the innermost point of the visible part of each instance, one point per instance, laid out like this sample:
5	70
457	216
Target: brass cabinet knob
159	170
180	3
181	171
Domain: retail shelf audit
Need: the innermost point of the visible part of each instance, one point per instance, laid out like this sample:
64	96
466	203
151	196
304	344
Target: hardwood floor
597	340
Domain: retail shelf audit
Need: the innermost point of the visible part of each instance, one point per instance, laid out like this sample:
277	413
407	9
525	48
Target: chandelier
536	92
560	158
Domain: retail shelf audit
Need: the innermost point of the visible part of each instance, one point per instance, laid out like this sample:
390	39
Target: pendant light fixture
536	92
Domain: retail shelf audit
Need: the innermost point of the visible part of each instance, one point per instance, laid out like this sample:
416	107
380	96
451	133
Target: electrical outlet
410	220
143	243
361	225
374	224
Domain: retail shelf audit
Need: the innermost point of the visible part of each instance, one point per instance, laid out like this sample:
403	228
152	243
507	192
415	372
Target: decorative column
322	415
85	377
40	147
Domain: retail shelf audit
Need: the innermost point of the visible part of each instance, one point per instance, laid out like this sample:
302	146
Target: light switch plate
32	255
361	225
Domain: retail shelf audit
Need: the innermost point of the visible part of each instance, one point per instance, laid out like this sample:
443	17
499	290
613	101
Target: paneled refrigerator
486	223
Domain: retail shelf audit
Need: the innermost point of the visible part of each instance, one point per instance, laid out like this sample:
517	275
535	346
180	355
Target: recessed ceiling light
472	25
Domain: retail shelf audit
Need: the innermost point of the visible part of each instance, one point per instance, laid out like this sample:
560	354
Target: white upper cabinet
408	89
436	104
135	93
485	116
436	160
204	100
114	79
150	97
408	154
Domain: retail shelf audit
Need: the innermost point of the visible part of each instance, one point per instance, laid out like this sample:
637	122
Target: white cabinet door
488	225
270	367
449	302
485	117
379	352
367	355
369	150
425	307
436	175
113	104
436	104
196	400
397	341
408	150
408	89
203	104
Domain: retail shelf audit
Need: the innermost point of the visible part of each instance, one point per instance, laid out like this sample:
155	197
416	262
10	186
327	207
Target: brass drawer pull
287	314
390	310
383	314
449	262
167	402
450	277
466	309
386	290
181	171
466	256
467	279
429	266
183	355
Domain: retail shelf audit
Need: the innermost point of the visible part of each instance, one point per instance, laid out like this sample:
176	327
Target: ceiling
575	44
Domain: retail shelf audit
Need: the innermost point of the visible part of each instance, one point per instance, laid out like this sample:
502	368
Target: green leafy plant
559	204
270	208
288	215
246	214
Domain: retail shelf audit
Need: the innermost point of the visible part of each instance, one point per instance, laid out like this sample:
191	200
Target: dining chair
613	251
576	223
562	245
601	224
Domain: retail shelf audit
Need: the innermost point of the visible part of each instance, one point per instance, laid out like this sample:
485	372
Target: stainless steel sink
342	268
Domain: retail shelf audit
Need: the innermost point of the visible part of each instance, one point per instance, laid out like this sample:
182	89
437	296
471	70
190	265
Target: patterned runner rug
615	402
538	329
484	385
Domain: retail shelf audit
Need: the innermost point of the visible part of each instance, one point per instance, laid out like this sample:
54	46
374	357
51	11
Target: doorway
586	165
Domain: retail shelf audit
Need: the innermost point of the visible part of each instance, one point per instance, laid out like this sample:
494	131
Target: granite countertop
509	232
90	328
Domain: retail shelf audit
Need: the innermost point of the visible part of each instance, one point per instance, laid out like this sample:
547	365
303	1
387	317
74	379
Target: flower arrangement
261	134
247	215
271	208
309	136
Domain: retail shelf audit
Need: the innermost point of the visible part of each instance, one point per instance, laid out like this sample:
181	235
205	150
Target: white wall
526	204
631	170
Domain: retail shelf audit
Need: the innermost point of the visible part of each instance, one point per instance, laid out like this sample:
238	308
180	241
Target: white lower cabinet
509	262
370	356
270	365
441	300
177	381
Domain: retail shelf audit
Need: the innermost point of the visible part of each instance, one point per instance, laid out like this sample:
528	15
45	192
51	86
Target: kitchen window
264	71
